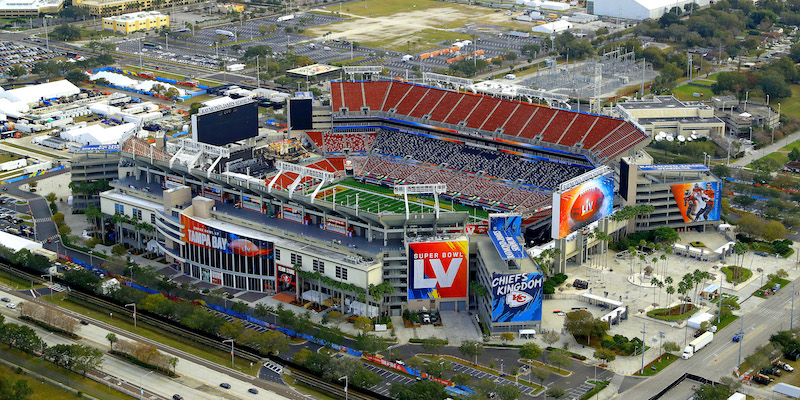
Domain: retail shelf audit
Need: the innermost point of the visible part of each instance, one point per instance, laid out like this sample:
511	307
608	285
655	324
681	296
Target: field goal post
433	188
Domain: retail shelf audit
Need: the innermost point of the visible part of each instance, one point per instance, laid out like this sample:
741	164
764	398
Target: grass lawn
760	291
730	296
726	321
598	386
387	200
302	387
41	391
550	368
59	374
673	313
380	8
779	156
792	145
426	39
736	274
32	150
92	34
166	338
791	105
660	363
686	92
8	157
16	282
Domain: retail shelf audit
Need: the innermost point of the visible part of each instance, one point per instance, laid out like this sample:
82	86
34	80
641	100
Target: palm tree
632	253
670	292
93	214
655	282
697	277
682	289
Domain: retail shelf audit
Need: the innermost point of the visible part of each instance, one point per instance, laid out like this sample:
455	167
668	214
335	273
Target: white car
11	305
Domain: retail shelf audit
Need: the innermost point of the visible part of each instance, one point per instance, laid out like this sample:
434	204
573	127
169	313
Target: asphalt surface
721	357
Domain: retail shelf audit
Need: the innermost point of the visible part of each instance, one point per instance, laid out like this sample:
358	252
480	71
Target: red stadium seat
482	111
426	104
500	115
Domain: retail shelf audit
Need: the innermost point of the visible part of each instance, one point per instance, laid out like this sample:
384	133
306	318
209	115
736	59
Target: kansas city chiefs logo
517	299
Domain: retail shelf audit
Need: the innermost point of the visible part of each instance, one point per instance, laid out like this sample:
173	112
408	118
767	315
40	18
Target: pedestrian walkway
750	157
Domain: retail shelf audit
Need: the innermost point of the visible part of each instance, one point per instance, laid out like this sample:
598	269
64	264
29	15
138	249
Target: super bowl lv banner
698	201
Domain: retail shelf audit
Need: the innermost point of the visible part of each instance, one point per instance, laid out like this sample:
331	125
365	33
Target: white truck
697	344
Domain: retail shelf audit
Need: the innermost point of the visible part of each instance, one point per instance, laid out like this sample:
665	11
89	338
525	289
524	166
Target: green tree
14	389
582	323
47	70
230	330
559	358
530	351
75	76
111	337
370	344
119	250
438	367
711	392
471	348
17	71
433	344
606	355
66	33
461	378
422	390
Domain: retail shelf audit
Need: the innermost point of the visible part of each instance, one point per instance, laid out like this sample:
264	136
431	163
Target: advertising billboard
698	201
582	205
517	297
506	222
285	277
226	123
438	270
507	245
199	234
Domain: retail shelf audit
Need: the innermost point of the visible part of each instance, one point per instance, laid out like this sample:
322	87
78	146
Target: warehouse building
670	115
638	9
29	8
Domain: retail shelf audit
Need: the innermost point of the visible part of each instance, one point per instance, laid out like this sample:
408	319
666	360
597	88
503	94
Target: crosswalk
274	367
43	219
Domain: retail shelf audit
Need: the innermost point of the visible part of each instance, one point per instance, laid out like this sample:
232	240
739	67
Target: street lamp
345	386
741	339
51	284
43	344
226	341
141	388
134	313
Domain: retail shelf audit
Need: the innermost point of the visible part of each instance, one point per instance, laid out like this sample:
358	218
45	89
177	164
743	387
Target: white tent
96	134
364	310
788	390
33	93
17	243
698	319
315	296
552	27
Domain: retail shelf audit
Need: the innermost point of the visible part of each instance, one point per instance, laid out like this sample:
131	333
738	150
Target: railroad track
303	377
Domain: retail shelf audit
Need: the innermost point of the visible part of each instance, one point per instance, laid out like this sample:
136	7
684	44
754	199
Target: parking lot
389	378
478	375
16	54
12	218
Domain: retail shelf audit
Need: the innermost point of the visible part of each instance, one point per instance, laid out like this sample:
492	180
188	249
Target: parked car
425	318
771	370
6	300
782	365
580	284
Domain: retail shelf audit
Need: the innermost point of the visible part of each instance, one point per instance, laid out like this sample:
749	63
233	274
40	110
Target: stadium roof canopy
606	137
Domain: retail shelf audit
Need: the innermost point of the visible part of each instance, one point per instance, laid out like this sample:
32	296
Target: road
721	357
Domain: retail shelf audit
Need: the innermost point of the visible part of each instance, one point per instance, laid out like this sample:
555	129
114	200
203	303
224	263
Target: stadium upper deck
607	138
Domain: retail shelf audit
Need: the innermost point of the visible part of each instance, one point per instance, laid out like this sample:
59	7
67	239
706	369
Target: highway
721	357
196	381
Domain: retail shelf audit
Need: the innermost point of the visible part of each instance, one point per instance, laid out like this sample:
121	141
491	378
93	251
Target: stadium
421	187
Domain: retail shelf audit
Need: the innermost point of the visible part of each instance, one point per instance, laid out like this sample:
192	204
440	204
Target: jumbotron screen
227	125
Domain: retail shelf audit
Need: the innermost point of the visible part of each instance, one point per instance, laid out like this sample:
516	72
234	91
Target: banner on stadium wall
698	201
582	205
216	277
172	182
438	270
199	234
285	276
336	225
506	222
507	244
476	229
251	203
292	214
517	297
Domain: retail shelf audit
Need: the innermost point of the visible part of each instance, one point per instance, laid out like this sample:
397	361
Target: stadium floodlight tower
363	70
302	172
456	82
435	188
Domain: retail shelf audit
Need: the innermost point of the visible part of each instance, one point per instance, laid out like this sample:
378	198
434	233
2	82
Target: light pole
791	319
644	329
226	341
141	388
134	313
501	366
741	339
345	386
51	285
43	344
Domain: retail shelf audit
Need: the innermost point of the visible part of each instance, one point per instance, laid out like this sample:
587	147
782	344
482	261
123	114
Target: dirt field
403	30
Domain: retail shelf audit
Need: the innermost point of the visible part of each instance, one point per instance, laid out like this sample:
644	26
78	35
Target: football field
380	200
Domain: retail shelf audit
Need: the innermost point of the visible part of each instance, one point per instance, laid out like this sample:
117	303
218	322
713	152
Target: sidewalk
748	158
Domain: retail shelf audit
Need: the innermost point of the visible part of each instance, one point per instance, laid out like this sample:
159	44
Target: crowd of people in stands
485	162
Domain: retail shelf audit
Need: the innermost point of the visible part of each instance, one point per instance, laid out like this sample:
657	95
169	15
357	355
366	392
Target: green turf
375	198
